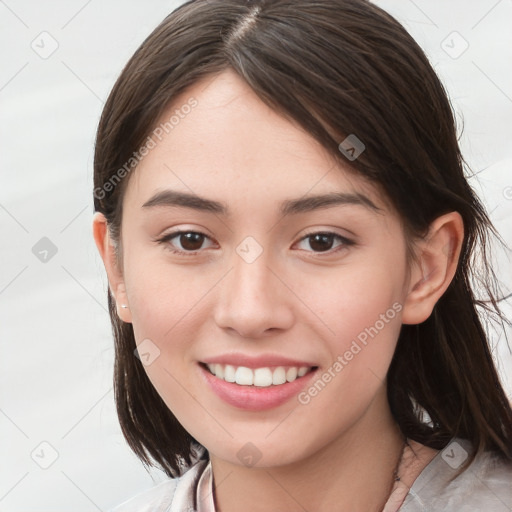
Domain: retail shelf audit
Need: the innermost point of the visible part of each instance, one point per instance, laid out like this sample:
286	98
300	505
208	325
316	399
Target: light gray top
485	486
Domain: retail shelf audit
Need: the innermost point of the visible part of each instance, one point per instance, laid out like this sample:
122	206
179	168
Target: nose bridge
251	263
252	299
252	278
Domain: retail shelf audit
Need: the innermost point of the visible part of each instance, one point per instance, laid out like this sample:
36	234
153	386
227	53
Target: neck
354	472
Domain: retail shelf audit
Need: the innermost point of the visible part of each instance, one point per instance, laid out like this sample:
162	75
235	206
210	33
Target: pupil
189	239
325	242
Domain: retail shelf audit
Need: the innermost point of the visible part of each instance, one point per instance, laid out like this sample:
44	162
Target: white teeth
259	377
229	373
279	376
219	371
302	371
291	374
262	377
244	376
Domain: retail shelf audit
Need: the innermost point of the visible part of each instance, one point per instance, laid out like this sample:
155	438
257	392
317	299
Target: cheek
168	303
164	297
367	326
165	304
356	301
360	355
361	307
369	318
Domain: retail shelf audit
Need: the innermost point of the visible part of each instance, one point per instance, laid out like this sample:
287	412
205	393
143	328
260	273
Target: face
264	282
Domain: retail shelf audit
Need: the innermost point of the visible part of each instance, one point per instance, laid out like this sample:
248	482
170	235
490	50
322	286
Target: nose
254	299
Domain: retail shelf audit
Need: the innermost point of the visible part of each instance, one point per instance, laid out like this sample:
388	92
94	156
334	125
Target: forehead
232	145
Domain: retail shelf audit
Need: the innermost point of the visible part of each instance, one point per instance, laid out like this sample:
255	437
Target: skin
338	451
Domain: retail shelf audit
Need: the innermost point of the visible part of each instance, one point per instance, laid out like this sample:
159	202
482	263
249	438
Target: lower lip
254	398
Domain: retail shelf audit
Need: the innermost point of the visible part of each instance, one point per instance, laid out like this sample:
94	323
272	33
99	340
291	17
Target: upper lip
261	361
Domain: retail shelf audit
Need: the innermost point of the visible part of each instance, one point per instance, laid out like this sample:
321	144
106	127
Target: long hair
337	68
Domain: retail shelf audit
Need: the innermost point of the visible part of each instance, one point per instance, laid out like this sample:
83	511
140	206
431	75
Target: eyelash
345	242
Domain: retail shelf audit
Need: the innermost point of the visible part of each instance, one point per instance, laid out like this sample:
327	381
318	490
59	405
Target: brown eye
321	242
191	241
325	241
184	241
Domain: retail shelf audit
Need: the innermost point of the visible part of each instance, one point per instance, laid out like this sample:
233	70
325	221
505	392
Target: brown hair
337	67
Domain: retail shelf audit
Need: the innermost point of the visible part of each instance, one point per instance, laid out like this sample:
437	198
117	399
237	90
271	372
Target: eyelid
327	231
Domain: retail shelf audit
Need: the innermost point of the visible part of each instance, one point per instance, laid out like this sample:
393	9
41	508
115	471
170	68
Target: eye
191	242
323	241
186	241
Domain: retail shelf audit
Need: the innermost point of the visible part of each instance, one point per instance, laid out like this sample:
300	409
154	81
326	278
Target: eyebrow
169	198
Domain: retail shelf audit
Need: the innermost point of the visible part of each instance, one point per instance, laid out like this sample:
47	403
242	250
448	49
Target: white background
57	351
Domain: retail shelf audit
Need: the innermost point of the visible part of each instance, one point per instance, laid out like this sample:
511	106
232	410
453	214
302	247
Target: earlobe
107	251
434	268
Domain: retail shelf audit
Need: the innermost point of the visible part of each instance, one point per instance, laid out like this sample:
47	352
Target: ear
107	252
437	256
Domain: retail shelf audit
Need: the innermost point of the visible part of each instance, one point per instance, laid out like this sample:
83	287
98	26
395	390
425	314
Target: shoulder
485	485
176	494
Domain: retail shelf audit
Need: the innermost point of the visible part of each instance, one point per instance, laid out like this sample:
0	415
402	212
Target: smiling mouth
258	377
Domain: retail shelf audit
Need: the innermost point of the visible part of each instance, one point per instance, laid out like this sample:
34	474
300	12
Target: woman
289	237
